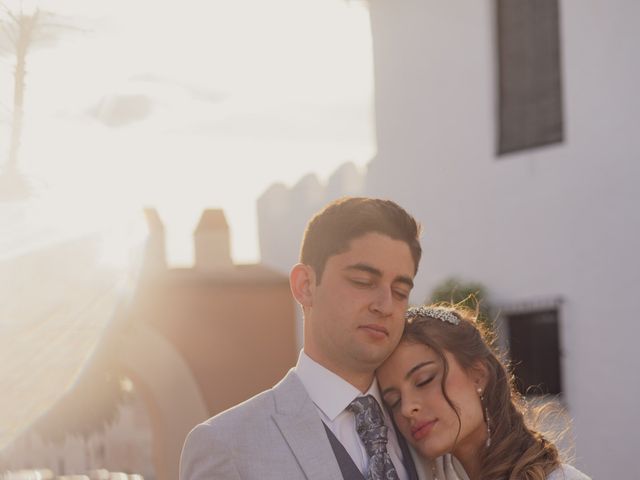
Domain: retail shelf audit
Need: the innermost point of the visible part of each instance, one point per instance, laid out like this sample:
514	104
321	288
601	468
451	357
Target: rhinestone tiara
439	313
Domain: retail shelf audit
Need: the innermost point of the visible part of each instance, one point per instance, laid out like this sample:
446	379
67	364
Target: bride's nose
410	406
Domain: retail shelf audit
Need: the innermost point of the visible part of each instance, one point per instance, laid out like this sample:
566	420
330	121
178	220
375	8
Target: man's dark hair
331	230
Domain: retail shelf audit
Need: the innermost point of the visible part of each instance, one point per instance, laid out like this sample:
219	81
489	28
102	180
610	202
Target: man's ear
479	374
302	280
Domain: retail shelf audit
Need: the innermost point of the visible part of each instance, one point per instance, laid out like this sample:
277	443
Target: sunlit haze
193	104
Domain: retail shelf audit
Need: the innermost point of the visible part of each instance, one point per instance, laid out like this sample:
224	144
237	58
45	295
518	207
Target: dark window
534	348
529	91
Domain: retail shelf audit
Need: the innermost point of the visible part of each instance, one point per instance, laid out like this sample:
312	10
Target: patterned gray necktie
373	433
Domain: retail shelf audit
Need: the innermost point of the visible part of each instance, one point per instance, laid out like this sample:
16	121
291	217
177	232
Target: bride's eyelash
421	384
393	405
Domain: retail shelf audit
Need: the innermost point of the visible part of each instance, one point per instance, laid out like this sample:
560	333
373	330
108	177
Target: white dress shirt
331	395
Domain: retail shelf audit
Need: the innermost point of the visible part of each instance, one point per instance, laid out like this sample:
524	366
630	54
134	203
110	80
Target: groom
323	421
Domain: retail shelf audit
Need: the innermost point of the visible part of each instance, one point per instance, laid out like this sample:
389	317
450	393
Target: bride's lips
422	429
375	330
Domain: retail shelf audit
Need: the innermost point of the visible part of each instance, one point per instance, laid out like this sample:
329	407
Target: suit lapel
302	428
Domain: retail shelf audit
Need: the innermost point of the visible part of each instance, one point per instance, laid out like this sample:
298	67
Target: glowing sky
193	104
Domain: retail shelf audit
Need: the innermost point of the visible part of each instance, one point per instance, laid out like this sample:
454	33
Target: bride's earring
486	417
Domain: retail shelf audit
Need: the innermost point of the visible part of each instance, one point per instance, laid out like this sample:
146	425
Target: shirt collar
330	392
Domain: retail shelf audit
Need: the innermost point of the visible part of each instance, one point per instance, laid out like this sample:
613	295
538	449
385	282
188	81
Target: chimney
212	244
155	261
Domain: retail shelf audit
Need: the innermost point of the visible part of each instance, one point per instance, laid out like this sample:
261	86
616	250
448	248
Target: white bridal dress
448	467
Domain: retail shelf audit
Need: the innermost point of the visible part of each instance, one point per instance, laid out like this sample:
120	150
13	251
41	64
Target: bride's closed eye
392	401
422	383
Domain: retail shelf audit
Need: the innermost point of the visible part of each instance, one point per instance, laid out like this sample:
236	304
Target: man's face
356	316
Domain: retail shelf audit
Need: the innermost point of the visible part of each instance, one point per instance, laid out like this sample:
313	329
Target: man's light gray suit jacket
275	435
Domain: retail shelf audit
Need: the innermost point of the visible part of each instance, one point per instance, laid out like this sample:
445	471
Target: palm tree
21	31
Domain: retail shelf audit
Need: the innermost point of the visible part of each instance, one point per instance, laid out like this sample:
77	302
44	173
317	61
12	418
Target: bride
454	401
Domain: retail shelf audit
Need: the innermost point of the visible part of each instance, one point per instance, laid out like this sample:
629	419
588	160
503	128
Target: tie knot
368	408
370	423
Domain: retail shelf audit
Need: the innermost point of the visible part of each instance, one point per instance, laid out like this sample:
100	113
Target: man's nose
383	301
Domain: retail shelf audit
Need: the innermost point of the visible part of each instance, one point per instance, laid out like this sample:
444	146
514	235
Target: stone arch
169	391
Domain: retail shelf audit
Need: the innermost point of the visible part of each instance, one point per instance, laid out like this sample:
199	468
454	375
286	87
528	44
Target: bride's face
411	385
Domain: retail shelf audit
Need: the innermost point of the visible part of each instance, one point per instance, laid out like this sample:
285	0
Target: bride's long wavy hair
517	451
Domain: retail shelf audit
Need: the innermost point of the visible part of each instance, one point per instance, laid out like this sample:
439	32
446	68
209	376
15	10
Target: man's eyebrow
363	267
417	367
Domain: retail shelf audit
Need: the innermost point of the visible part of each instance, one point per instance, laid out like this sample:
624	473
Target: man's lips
377	330
422	429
